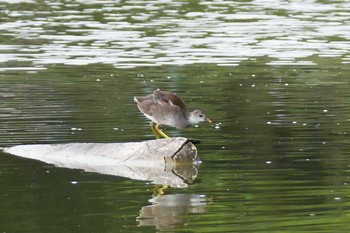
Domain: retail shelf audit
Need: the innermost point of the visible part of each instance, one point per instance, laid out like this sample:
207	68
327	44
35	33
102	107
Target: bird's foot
155	132
160	132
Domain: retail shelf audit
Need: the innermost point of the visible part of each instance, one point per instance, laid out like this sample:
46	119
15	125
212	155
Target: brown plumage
165	108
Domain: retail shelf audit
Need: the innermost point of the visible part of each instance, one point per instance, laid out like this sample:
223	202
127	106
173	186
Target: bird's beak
208	120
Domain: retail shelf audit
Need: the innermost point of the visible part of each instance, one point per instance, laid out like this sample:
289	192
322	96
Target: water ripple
149	33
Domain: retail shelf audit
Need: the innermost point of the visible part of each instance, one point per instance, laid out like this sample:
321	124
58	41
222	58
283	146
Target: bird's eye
200	115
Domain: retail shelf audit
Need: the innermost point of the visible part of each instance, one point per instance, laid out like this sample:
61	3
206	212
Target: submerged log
164	161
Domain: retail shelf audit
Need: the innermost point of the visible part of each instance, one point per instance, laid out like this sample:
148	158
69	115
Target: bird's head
198	116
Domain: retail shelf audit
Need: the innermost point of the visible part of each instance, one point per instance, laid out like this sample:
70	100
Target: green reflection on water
275	158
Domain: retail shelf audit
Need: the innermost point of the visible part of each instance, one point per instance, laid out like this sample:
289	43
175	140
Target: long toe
155	131
160	131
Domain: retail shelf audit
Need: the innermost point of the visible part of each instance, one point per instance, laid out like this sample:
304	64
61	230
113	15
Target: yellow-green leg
159	189
155	132
160	132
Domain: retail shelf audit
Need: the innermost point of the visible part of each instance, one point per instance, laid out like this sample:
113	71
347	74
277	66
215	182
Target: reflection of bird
165	108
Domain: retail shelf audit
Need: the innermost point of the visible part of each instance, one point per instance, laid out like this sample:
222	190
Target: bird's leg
159	190
155	132
160	132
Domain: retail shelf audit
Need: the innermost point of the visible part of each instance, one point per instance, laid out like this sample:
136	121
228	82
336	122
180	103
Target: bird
166	108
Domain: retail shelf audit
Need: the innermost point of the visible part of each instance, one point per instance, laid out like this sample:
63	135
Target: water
152	33
272	75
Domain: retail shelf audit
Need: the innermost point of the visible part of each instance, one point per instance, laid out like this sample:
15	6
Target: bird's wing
140	99
144	103
169	98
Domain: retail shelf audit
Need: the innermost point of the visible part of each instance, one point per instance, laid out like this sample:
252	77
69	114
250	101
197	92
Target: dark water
273	77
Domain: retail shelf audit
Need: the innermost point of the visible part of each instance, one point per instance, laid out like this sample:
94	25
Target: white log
153	160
